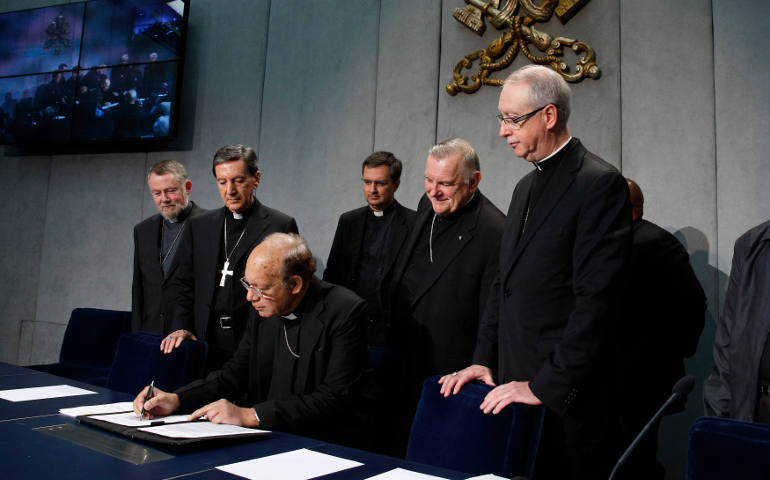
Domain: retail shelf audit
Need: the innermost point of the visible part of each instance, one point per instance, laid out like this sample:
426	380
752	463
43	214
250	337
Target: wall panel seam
264	76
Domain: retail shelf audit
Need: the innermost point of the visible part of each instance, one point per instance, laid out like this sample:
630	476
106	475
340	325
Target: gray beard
175	213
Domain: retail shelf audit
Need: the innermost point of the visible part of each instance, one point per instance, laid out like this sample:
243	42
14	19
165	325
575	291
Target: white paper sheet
199	430
130	419
97	409
403	474
41	393
299	464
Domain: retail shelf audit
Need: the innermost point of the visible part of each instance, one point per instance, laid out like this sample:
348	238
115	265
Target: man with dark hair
156	241
300	366
440	285
664	310
369	239
208	303
548	330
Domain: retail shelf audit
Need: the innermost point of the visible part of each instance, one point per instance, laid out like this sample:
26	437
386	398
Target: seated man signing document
300	364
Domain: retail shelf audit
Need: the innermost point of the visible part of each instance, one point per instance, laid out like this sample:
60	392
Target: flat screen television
92	72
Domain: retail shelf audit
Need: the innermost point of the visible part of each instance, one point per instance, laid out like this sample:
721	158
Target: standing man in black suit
300	367
441	282
369	239
548	329
664	310
208	302
156	240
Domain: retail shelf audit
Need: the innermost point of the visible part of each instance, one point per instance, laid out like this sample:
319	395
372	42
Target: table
33	378
29	450
8	369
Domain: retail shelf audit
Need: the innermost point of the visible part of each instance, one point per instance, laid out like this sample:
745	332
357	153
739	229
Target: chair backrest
453	433
722	448
92	336
138	361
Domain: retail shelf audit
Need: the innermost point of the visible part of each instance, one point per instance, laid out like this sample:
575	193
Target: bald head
278	272
636	198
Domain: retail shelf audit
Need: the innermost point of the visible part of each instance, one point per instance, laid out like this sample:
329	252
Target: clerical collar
246	213
541	165
456	214
382	213
297	313
182	216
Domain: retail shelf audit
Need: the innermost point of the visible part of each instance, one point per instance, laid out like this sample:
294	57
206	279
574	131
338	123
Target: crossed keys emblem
519	34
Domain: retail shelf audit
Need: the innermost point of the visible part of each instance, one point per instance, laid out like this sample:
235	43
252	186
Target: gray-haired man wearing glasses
546	338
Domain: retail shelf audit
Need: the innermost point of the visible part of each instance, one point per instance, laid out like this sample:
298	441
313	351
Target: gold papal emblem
519	34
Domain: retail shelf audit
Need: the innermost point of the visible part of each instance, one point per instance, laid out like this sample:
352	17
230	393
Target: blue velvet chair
721	448
453	433
89	345
138	360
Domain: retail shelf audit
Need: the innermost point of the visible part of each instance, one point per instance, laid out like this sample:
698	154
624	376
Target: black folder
136	434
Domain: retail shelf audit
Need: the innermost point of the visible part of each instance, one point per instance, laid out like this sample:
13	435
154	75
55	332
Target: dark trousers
762	413
575	449
221	346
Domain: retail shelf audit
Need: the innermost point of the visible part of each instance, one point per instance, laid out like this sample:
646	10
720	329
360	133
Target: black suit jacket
150	302
331	366
438	328
345	254
552	311
552	314
664	310
198	271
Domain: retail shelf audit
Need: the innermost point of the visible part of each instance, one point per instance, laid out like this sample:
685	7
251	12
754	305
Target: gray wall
315	86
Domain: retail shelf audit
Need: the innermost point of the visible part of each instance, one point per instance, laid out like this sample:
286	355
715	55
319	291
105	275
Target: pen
147	397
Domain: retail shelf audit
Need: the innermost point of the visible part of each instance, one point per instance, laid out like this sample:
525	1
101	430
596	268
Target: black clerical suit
663	314
552	310
150	302
350	251
435	307
315	395
199	274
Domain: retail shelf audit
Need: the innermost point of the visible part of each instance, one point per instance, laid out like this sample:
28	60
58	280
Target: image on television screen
115	76
40	40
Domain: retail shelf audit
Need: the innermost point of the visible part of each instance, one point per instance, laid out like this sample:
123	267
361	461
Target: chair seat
138	361
88	346
722	448
453	433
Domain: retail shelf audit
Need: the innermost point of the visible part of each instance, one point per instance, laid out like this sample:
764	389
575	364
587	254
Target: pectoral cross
225	272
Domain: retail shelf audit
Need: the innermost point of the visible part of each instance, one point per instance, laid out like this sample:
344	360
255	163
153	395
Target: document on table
403	474
97	409
299	464
200	430
41	393
130	419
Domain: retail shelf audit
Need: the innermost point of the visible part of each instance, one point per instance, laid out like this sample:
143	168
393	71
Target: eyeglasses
259	292
518	122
